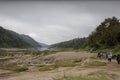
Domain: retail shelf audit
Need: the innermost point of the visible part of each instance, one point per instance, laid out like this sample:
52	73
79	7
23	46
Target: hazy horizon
56	21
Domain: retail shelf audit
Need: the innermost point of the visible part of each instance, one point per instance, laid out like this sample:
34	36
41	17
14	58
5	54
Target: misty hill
43	45
75	43
11	39
106	35
30	41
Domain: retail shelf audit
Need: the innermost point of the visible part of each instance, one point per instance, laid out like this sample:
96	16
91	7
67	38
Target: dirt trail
33	74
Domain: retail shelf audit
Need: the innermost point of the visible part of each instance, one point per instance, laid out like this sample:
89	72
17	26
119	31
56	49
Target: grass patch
57	65
95	64
93	57
81	78
68	50
99	75
14	68
47	67
78	60
70	63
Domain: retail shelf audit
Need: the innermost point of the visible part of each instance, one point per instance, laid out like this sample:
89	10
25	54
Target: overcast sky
55	21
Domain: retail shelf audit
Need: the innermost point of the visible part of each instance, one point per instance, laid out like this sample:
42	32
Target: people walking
109	56
118	59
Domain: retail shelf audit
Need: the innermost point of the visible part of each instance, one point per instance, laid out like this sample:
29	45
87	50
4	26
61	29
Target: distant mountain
74	43
31	41
11	39
43	45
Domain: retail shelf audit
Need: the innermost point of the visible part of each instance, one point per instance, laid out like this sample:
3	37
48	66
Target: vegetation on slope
75	43
105	36
8	40
30	41
11	39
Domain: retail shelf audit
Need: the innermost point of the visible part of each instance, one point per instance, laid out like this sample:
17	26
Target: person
118	59
99	55
109	56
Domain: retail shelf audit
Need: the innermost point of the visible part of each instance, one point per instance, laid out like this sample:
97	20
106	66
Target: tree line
106	35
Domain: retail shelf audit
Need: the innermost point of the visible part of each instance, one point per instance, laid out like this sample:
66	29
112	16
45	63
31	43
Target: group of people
109	56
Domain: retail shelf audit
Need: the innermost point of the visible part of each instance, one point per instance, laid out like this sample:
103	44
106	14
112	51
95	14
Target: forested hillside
11	39
106	35
75	44
30	41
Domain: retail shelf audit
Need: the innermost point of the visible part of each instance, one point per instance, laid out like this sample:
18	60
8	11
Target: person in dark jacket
99	55
118	59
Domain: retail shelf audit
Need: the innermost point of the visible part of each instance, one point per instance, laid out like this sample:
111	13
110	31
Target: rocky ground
111	69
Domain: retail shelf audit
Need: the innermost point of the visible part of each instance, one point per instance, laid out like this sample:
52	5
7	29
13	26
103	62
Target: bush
116	50
20	68
14	68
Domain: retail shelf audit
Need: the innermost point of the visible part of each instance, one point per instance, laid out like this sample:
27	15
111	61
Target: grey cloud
51	21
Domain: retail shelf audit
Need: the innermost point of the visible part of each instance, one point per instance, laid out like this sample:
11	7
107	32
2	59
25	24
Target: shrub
116	50
19	68
14	68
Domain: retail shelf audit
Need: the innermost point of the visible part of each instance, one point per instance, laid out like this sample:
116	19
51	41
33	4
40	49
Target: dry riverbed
77	64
